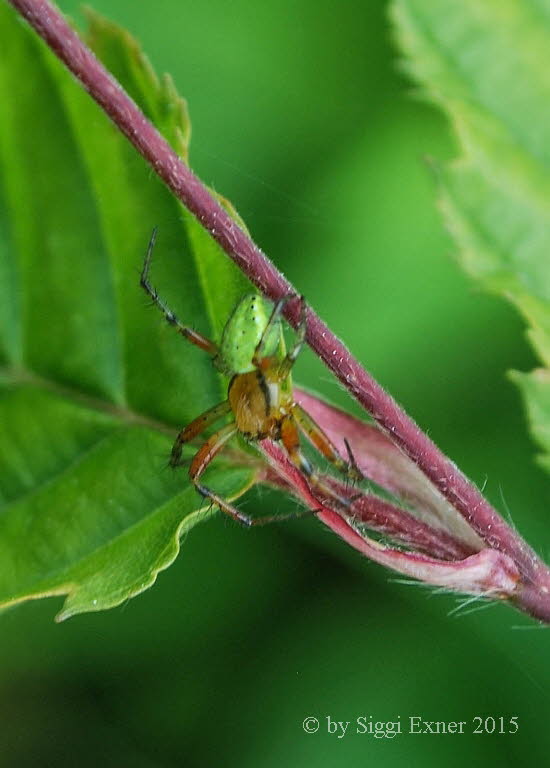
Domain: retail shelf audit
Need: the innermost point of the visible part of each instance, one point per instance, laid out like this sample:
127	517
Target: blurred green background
301	118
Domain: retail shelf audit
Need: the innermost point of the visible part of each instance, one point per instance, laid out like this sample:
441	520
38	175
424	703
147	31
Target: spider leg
292	354
281	518
202	459
193	336
322	443
291	440
275	315
195	428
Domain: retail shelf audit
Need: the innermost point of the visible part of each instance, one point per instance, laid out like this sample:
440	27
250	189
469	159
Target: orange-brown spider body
259	402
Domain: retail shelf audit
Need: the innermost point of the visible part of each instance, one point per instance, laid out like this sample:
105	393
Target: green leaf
485	65
93	383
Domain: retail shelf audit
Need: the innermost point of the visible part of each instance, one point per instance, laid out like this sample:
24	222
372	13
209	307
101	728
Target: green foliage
93	384
485	65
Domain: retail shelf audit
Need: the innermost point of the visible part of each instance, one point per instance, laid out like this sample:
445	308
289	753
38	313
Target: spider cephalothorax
260	397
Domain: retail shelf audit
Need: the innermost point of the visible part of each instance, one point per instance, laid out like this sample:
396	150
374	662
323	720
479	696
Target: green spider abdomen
242	334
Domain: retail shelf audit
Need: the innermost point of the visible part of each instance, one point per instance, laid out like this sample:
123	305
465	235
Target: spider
259	397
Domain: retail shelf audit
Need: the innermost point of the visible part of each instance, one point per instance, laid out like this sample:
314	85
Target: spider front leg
291	440
195	428
193	336
202	459
259	352
323	444
291	356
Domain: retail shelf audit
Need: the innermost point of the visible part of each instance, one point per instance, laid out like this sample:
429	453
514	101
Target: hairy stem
452	484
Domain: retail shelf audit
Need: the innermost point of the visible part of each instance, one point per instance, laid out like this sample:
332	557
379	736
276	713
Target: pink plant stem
453	485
